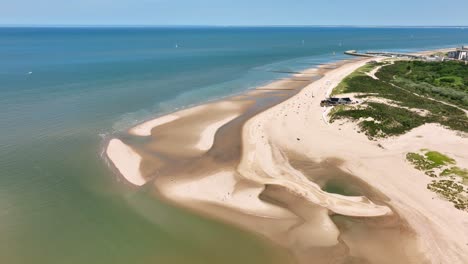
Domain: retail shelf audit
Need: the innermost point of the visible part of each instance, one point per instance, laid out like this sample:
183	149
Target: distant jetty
356	53
382	54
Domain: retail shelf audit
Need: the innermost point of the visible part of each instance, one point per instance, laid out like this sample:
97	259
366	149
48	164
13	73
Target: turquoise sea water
63	90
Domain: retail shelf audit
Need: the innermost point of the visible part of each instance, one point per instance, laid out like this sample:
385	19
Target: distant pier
382	54
356	53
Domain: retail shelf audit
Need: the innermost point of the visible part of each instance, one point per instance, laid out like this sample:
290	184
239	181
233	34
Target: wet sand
271	165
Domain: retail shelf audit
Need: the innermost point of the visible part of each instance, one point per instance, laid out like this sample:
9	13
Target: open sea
63	91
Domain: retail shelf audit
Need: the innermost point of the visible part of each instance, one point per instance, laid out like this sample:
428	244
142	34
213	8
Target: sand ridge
145	128
207	136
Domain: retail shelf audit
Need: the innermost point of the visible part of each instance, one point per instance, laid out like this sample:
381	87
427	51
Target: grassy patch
429	160
385	120
449	80
337	109
456	171
451	182
362	71
438	159
452	191
418	161
445	81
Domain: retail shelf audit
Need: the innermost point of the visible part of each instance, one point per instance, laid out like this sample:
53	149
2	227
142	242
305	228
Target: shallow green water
338	187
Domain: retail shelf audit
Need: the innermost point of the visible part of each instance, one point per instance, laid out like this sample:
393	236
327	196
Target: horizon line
216	26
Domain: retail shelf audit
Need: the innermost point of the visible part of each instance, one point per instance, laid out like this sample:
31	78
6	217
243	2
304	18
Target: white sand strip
144	129
207	136
126	160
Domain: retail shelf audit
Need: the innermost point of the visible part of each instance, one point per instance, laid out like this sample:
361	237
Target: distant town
460	54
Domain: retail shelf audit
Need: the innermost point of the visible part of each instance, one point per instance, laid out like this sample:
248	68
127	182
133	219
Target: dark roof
336	99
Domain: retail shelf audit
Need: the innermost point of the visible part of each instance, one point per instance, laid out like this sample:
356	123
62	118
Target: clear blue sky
234	12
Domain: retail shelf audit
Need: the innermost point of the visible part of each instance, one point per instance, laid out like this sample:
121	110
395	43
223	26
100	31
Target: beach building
433	58
336	101
459	53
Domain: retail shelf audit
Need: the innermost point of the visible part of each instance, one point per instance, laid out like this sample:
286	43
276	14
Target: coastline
431	217
252	183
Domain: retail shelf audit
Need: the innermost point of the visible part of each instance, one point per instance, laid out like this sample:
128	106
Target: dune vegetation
450	181
404	95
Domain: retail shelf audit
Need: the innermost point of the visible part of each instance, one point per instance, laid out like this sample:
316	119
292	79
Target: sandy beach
386	169
261	160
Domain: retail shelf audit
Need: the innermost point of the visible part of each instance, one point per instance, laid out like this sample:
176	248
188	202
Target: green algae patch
456	171
429	160
439	159
451	182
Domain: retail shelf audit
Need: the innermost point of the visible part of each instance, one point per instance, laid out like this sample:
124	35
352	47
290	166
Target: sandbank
126	160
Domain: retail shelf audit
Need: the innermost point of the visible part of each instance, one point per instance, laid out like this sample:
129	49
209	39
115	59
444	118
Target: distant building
433	58
459	54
